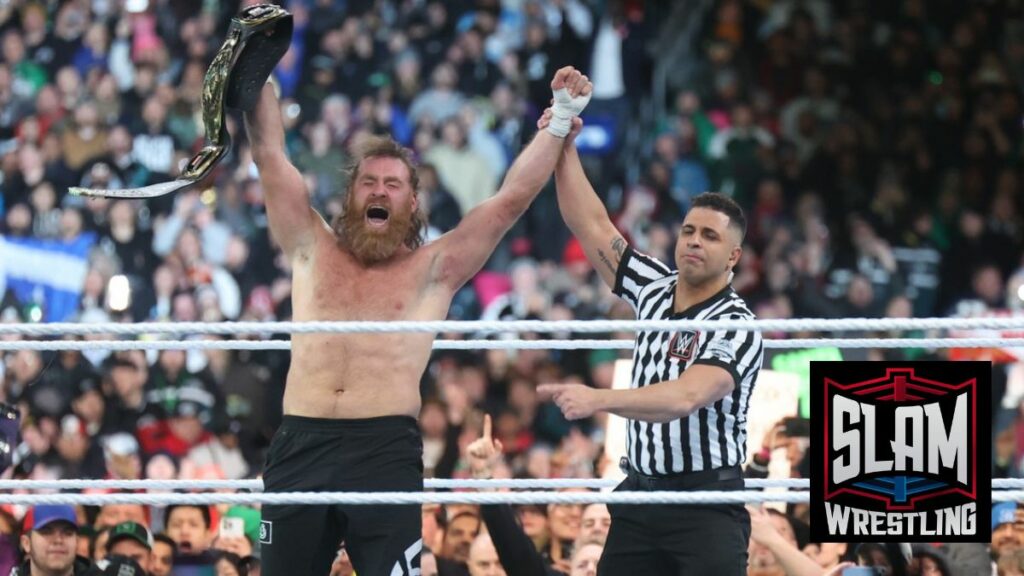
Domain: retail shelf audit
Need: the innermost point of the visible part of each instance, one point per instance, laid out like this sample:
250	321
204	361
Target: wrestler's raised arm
464	250
292	218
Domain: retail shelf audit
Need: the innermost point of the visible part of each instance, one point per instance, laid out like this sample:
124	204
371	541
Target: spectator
826	554
322	160
441	101
128	402
773	546
164	550
132	540
98	547
189	527
585	558
111	515
932	561
51	542
85	139
229	564
1005	535
483	558
594	524
464	172
459	534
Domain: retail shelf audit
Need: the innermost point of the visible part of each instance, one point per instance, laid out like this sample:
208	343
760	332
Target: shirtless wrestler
351	400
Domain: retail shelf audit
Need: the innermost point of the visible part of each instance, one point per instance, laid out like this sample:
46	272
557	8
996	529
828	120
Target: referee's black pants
678	540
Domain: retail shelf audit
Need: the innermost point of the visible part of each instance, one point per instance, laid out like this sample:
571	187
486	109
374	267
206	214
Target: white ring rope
518	326
795	343
711	497
429	484
361	498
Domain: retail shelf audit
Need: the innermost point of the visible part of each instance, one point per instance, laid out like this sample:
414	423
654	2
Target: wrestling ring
486	335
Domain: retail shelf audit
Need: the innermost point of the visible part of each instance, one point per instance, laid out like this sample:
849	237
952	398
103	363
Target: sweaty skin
361	375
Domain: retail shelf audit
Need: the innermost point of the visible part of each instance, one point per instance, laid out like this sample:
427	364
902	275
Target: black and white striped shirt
714	436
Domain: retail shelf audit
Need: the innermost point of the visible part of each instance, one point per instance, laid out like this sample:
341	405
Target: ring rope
503	326
363	498
429	483
256	485
80	345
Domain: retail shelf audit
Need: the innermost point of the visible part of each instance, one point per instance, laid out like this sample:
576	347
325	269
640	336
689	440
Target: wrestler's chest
368	298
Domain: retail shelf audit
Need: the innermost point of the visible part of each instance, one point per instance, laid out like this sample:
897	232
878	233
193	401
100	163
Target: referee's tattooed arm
587	217
618	249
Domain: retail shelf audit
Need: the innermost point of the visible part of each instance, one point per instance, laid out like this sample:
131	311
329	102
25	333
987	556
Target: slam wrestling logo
900	452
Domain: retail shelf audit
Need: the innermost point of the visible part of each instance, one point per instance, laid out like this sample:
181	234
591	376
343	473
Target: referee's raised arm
583	211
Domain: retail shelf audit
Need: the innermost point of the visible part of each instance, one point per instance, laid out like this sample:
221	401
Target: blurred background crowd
876	147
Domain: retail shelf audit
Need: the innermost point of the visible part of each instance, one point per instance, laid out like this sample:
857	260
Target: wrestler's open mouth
377	215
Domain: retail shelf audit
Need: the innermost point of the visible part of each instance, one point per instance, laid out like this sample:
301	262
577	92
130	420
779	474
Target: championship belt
257	39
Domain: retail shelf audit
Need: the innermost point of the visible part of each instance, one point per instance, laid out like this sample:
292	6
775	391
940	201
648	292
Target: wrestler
351	400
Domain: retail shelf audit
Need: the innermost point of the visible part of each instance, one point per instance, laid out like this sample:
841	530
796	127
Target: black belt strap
686	481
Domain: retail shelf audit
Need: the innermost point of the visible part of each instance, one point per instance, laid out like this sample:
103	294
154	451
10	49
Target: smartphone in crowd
232	528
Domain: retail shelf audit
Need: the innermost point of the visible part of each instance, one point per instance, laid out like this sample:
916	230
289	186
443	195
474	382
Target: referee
687	406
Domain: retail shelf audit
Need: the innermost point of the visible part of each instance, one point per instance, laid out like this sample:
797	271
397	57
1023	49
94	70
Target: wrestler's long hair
349	226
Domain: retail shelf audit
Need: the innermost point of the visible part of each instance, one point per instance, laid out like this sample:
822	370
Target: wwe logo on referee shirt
905	451
683	344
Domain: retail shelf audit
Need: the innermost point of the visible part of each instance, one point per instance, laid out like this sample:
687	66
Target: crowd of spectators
874	145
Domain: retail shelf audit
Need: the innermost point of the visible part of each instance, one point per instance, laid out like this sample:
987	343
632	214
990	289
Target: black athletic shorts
368	455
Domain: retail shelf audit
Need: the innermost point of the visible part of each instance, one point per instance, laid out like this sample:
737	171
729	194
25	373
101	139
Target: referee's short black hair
721	203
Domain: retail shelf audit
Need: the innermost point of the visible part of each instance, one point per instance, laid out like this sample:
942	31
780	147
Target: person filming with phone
231	537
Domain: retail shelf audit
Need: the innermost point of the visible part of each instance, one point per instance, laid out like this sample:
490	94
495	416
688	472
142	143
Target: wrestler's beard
372	245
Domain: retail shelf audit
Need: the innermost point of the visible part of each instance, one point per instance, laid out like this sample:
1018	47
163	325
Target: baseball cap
47	514
1004	513
120	444
193	401
189	409
132	530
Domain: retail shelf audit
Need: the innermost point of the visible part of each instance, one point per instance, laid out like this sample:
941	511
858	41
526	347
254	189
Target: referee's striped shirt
714	436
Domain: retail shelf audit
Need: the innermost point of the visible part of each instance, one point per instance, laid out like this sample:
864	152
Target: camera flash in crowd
119	293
